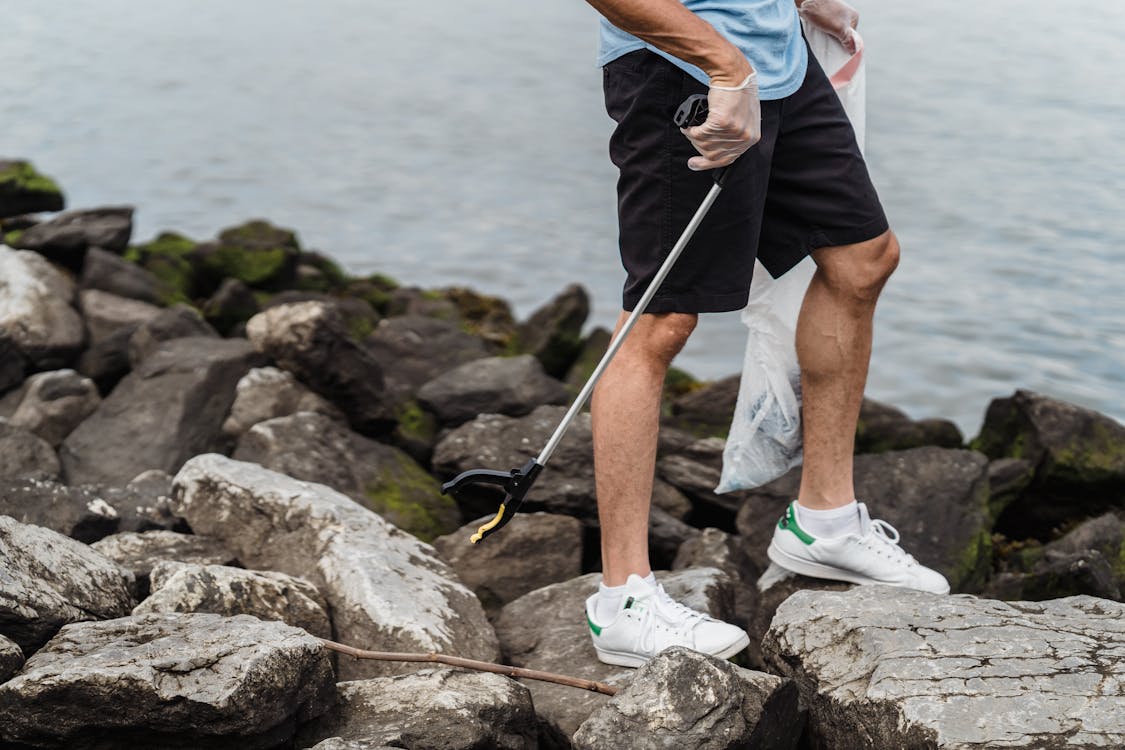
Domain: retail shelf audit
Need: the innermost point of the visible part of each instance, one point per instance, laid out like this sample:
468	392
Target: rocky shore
214	454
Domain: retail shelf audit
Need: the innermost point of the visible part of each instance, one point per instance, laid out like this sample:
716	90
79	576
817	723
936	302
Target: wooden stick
480	666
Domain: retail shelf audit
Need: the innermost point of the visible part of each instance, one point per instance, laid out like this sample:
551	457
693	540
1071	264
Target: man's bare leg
834	347
626	419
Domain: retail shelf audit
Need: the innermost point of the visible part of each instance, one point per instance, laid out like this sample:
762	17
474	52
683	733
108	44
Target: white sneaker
872	556
650	621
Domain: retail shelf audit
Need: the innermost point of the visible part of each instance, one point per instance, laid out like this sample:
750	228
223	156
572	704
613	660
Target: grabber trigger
515	484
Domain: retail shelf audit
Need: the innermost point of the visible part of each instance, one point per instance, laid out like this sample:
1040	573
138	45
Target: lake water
465	143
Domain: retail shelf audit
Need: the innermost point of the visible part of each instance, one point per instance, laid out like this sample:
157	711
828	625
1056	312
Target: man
798	186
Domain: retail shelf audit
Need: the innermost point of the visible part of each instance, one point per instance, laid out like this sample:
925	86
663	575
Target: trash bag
765	435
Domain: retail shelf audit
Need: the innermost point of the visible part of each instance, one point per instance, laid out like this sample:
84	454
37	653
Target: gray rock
177	322
538	550
695	470
168	681
25	455
232	303
433	708
593	349
553	333
666	534
107	361
54	403
714	548
112	273
883	428
222	590
937	498
337	743
106	313
684	699
140	552
316	448
80	513
11	658
23	190
773	587
415	349
382	585
1007	480
267	392
707	411
65	238
48	580
883	667
483	315
546	630
495	385
309	339
38	325
1078	454
169	409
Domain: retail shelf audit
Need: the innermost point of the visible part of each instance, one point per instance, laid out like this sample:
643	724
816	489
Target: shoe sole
819	570
628	659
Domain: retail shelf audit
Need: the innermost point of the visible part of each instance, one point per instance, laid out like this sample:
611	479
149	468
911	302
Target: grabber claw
515	484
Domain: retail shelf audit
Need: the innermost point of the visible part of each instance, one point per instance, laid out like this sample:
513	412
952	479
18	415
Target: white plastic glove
833	17
734	124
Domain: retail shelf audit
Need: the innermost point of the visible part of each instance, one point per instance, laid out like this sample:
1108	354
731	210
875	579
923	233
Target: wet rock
495	385
140	552
232	303
167	410
937	498
54	403
309	339
553	333
256	253
222	590
1078	454
111	273
105	313
77	512
546	630
383	586
65	238
683	699
535	551
48	580
24	190
266	393
316	448
883	428
11	659
415	349
707	411
178	322
168	681
432	708
38	326
170	258
25	455
883	667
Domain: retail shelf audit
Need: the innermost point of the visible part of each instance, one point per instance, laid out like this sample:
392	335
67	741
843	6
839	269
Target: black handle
693	111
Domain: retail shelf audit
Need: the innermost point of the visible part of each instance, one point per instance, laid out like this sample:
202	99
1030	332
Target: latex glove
734	124
834	17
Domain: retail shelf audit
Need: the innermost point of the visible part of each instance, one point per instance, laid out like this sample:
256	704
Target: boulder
937	498
684	699
48	580
483	315
11	658
65	238
594	347
316	448
25	455
385	589
707	411
537	550
495	385
169	681
774	586
883	428
222	590
231	304
23	190
714	548
255	253
695	470
140	552
884	667
106	313
553	333
546	630
38	326
433	708
414	349
359	317
80	513
177	322
54	403
167	410
266	393
107	361
666	534
111	273
309	339
1078	455
169	257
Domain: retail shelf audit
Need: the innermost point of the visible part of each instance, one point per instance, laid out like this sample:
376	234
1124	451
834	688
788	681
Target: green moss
414	422
1096	458
252	266
410	498
13	237
21	176
169	259
359	327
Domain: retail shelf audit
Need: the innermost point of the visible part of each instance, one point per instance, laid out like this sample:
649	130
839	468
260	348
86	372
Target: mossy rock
13	237
594	347
170	258
407	496
553	333
256	253
24	190
482	315
375	290
319	273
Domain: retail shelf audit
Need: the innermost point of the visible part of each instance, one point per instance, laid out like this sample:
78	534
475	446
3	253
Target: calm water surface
464	143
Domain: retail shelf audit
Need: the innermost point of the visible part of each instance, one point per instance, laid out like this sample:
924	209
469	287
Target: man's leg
626	418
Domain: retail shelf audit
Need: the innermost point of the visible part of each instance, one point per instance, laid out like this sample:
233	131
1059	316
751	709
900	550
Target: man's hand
734	124
834	17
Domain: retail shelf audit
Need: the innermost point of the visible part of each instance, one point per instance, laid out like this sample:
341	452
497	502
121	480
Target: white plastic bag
765	434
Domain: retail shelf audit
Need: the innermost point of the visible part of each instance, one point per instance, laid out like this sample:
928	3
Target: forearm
672	28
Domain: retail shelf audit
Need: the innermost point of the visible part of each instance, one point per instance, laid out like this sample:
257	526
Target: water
465	143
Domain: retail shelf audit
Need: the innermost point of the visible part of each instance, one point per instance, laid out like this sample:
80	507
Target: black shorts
803	186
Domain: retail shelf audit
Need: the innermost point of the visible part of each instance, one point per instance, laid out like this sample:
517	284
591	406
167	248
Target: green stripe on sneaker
596	630
789	523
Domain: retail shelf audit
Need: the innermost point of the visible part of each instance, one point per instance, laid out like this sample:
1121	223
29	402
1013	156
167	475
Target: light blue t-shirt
767	31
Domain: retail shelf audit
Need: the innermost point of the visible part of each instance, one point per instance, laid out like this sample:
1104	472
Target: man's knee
862	269
661	335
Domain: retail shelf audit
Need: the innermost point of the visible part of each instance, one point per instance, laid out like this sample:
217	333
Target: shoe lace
683	614
889	537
